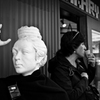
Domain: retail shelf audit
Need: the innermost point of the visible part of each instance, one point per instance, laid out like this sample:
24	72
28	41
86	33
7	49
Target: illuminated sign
87	6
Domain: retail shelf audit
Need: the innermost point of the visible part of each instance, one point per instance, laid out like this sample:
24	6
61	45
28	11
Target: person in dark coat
68	70
29	55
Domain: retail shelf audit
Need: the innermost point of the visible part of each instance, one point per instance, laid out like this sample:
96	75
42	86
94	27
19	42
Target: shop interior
68	21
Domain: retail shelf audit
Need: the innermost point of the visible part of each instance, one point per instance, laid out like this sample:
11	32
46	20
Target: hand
84	74
4	42
91	60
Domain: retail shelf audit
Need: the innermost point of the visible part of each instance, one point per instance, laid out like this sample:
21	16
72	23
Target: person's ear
74	50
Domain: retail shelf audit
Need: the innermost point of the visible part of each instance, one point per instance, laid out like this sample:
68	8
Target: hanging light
63	24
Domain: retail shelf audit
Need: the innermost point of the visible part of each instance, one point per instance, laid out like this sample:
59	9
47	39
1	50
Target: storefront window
96	52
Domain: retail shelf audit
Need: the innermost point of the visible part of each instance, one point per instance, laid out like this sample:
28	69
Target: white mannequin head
29	51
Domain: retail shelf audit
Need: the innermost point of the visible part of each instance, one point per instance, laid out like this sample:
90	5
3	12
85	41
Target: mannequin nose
17	56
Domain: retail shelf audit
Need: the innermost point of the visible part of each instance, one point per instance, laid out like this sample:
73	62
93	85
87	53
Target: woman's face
24	57
80	51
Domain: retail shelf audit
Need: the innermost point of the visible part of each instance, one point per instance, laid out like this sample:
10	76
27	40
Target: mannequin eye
24	52
14	51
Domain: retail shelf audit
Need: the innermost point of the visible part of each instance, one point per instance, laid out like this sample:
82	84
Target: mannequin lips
18	65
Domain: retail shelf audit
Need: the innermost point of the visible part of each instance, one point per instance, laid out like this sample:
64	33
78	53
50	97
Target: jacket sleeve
91	72
89	69
62	78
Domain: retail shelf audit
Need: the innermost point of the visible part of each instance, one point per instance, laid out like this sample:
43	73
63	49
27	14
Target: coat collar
65	63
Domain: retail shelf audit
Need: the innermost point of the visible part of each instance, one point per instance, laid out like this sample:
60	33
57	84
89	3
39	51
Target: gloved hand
84	74
4	42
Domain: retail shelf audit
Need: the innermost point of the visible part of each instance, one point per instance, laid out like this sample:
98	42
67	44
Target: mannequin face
80	51
24	57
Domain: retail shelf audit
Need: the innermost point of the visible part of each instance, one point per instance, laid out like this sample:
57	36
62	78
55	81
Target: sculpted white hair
32	34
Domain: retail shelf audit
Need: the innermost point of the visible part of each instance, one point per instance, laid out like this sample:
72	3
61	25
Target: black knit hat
71	41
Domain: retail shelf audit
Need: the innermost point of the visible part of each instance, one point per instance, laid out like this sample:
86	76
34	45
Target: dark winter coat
33	87
69	77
